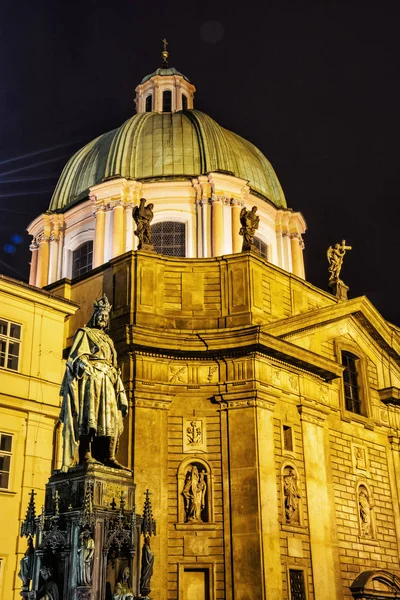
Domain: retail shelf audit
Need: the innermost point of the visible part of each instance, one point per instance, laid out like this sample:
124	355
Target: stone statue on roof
143	216
249	221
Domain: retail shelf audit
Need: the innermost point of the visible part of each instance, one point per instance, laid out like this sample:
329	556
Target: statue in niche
292	496
335	255
123	587
194	434
143	216
26	564
49	590
365	506
194	494
94	400
147	567
249	221
85	558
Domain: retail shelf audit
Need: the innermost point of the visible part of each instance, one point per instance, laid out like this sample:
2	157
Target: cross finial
164	53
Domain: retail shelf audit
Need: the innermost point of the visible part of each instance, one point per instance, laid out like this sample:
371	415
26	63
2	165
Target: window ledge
7	492
349	416
294	528
195	525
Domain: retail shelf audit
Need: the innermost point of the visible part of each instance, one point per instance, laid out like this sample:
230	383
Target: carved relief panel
194	435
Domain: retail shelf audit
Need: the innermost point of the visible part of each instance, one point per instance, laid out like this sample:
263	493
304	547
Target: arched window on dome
167	101
149	103
82	259
261	247
184	102
169	238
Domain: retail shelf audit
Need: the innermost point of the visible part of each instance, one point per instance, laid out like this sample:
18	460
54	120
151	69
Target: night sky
315	85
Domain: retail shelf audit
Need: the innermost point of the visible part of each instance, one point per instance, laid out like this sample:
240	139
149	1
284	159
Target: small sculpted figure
291	493
85	558
123	588
250	222
26	564
143	216
94	400
335	255
194	434
49	590
194	494
147	567
365	513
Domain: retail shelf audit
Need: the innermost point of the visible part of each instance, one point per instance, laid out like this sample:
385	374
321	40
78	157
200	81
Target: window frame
295	567
197	566
185	227
10	454
73	276
267	250
7	338
147	98
166	91
363	385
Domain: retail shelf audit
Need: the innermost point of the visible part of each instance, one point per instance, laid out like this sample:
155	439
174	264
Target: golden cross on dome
164	53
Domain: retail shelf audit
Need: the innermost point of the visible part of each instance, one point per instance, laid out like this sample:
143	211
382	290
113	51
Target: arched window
261	247
169	237
350	382
149	103
167	101
82	259
184	102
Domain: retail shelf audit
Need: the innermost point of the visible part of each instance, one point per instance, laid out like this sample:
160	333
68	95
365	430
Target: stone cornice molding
394	442
252	398
314	414
153	400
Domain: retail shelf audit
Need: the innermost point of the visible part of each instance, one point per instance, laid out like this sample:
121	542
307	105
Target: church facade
264	411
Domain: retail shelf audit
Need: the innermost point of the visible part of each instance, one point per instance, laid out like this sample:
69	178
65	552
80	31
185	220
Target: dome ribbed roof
164	71
166	145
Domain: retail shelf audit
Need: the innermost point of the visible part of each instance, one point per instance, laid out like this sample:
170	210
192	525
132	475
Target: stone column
128	227
237	239
217	223
254	516
320	498
34	260
43	261
297	254
98	254
53	259
118	230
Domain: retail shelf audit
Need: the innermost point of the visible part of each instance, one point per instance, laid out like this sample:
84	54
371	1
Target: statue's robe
92	391
49	591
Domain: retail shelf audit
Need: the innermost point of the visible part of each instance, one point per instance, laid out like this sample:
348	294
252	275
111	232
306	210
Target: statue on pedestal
143	216
194	493
94	400
250	222
26	564
148	529
292	496
49	590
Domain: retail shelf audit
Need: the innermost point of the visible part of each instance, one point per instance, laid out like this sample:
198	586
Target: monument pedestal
87	535
339	289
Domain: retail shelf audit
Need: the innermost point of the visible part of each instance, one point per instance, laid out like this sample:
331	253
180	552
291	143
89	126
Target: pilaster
323	542
237	240
217	227
98	252
43	260
34	248
118	245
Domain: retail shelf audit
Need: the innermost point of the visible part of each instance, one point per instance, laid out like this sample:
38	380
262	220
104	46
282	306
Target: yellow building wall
29	408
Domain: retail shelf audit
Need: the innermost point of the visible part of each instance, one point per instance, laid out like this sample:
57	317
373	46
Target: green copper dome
166	145
163	71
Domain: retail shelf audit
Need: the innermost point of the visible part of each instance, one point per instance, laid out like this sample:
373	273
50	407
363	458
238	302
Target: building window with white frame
169	238
5	460
82	259
149	103
167	101
10	344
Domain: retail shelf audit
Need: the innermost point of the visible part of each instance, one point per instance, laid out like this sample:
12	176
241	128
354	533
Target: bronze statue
250	222
335	255
49	590
94	400
143	216
147	567
26	564
123	588
85	558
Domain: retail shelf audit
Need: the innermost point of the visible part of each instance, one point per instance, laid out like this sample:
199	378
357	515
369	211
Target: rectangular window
350	382
287	438
297	584
5	459
10	342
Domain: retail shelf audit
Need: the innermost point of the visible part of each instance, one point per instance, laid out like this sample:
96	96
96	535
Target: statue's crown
102	304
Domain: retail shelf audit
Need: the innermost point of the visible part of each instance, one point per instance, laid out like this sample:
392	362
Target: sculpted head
46	572
101	314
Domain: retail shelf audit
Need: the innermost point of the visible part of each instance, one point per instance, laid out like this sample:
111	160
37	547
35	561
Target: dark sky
315	85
